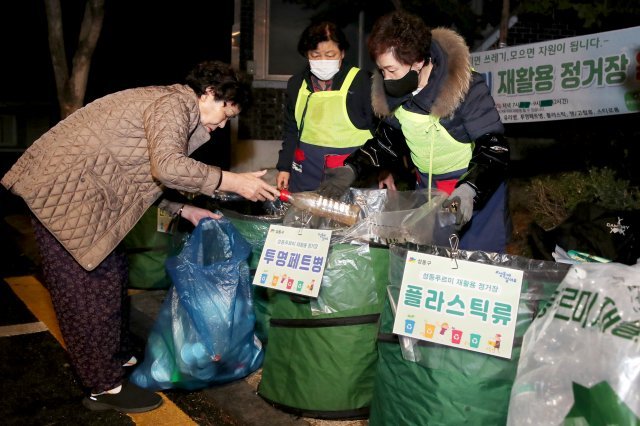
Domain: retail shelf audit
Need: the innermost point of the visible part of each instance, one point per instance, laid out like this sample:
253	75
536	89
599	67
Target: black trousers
91	308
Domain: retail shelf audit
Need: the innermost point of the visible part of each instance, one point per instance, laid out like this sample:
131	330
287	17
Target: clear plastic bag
204	333
396	217
580	361
348	281
386	217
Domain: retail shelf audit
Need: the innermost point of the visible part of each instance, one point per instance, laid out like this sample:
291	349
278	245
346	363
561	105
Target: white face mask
324	69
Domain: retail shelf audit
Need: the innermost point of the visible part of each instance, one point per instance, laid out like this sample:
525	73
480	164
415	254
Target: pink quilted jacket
91	177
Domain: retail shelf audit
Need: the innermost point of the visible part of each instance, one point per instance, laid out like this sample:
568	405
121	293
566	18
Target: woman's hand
386	181
249	185
194	214
282	180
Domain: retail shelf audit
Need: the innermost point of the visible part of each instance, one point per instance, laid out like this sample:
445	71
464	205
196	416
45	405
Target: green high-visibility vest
326	120
433	150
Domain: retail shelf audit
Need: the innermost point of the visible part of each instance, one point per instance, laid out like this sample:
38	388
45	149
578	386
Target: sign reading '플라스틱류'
578	77
471	306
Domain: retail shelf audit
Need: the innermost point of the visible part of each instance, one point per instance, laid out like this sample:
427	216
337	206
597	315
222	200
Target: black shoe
131	399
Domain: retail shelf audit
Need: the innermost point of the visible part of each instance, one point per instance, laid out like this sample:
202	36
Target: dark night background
142	42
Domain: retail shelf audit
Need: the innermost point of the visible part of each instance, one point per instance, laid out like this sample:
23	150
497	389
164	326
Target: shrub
556	196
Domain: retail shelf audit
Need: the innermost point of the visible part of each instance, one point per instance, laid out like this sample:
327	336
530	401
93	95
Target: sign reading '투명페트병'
293	260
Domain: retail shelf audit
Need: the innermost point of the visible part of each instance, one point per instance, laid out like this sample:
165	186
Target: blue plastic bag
204	333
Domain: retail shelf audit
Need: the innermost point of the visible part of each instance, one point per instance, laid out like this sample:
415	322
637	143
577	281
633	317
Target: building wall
260	127
263	121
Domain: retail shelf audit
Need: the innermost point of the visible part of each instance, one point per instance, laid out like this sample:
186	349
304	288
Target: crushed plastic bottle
318	205
161	370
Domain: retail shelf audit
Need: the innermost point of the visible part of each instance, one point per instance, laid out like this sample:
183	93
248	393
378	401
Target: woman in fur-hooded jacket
426	88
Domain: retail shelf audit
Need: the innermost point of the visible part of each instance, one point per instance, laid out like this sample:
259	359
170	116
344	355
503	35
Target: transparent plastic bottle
318	205
161	370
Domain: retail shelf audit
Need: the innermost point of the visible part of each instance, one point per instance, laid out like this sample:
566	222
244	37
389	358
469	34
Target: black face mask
402	86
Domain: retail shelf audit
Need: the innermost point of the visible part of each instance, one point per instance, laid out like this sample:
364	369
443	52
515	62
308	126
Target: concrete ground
40	387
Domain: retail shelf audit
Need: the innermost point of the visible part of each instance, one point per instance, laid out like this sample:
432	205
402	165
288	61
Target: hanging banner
578	77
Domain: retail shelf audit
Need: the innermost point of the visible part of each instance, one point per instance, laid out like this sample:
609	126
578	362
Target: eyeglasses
229	111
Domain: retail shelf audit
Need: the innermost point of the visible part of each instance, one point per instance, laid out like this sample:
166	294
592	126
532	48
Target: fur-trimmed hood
449	81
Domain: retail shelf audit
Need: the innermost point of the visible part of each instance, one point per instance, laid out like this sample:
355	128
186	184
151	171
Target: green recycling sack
322	353
147	250
451	386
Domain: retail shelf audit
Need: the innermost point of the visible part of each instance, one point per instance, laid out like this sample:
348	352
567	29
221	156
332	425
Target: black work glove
336	182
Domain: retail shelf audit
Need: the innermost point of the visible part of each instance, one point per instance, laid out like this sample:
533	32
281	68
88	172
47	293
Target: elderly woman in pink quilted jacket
88	181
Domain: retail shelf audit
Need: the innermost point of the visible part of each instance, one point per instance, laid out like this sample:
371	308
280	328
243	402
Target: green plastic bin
451	386
322	365
147	250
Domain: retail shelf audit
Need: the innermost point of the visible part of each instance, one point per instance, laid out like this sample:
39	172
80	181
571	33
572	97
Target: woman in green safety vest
327	112
432	102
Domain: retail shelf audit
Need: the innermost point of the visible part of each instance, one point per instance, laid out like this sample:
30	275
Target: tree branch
89	34
56	46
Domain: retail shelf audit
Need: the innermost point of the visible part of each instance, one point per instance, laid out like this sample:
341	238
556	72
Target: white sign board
466	305
164	221
293	260
577	77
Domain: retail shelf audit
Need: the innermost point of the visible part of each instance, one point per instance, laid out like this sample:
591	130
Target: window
278	26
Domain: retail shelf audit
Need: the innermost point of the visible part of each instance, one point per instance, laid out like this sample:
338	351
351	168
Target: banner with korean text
578	77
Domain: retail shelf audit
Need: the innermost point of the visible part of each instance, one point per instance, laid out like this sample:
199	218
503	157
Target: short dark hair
316	33
226	83
405	34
